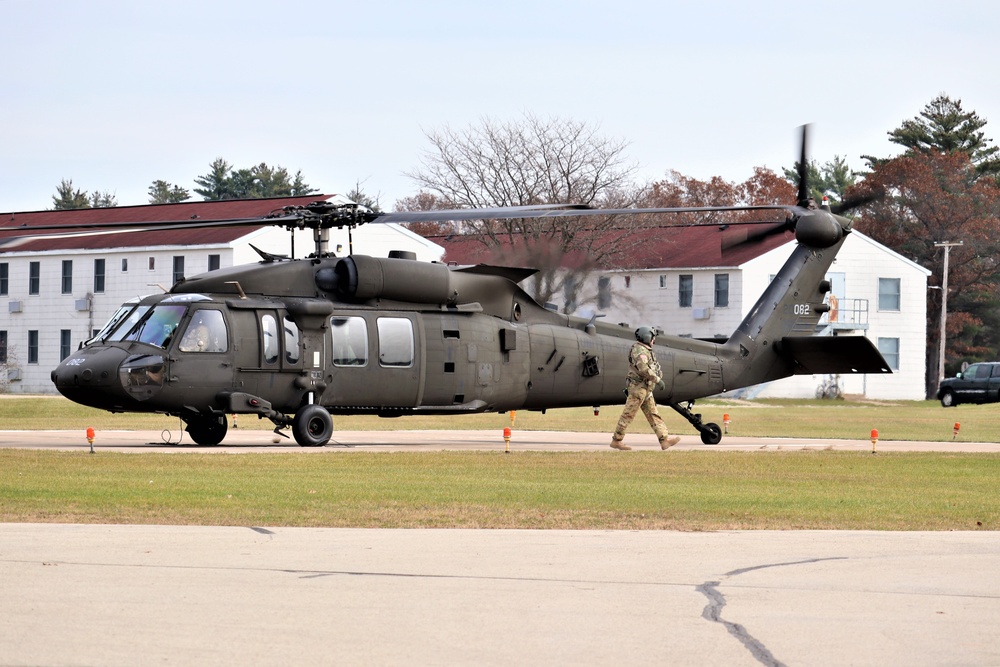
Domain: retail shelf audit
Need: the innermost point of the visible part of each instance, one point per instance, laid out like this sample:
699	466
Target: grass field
594	490
680	490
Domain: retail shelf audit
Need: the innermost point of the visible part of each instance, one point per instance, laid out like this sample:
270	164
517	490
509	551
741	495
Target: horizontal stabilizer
813	355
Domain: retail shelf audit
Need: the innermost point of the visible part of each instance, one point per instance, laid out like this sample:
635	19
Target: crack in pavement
716	601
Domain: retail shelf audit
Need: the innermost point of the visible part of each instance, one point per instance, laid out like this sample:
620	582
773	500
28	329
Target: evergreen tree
944	126
67	197
161	192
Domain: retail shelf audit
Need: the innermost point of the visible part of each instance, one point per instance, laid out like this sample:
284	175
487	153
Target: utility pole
947	245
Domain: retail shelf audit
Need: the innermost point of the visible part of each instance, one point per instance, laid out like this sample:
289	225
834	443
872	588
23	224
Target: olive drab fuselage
392	336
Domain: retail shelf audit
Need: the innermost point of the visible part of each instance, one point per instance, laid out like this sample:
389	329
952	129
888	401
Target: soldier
644	375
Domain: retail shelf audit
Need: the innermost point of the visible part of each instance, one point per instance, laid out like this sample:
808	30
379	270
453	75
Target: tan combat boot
618	444
667	443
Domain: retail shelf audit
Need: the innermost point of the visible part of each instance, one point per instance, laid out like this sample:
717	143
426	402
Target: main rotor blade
103	229
558	212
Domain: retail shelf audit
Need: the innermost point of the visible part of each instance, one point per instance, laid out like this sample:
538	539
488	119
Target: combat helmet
645	335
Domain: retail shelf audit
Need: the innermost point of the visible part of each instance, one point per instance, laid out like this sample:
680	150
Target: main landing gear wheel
711	434
312	426
207	430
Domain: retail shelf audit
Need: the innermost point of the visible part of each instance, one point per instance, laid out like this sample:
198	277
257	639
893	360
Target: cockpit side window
269	331
206	332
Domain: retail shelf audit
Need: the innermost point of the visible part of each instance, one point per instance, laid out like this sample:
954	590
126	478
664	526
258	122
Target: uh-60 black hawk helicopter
298	340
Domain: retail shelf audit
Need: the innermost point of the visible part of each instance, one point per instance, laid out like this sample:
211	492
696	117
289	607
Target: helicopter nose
90	377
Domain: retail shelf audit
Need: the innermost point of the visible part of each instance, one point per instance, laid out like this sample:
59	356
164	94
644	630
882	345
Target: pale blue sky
115	94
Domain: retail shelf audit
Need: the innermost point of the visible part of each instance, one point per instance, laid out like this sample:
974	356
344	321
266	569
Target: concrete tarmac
190	595
266	595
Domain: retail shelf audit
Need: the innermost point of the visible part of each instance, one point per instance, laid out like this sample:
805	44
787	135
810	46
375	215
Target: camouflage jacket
643	368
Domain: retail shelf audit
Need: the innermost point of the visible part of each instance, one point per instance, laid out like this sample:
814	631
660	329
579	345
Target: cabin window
685	290
206	332
269	330
350	341
889	347
888	294
291	342
395	342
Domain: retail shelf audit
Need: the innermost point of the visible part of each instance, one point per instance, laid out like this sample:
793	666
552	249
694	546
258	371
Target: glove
661	386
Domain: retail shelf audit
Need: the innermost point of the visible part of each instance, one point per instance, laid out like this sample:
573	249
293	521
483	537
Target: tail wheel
208	430
312	426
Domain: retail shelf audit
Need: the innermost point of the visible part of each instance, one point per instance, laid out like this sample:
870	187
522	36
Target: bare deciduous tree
537	161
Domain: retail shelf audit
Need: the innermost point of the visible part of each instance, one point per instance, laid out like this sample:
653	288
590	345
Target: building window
67	276
685	290
663	281
721	290
604	292
889	347
124	264
4	278
628	282
3	347
213	263
33	346
34	277
888	294
98	276
65	340
152	264
178	268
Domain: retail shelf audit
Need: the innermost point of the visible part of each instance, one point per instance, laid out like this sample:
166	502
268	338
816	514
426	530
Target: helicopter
297	341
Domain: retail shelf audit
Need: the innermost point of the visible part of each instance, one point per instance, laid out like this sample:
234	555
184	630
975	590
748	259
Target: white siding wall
50	311
863	262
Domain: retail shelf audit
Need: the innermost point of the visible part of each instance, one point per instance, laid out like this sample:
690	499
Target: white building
57	292
702	281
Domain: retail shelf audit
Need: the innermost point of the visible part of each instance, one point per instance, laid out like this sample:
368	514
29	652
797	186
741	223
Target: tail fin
775	340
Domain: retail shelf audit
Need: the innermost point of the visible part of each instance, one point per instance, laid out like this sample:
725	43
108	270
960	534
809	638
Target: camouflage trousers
640	397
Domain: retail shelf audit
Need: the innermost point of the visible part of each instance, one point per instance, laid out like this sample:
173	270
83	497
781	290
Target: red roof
19	224
655	248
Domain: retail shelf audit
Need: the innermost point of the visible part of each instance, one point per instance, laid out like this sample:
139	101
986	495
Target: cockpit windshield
115	320
154	326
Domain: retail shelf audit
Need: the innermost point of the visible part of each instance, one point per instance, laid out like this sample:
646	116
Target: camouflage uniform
643	375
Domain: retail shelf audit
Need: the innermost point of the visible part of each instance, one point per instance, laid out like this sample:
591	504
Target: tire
208	430
312	426
711	434
948	400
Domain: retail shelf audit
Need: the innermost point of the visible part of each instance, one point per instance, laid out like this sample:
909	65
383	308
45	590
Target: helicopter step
711	434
